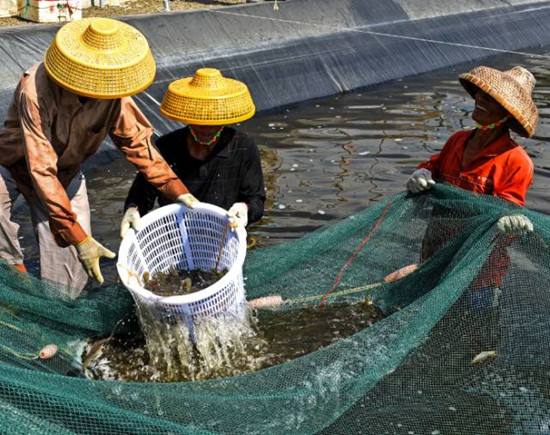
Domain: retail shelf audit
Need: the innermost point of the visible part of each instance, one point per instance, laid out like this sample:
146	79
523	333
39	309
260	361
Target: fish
486	355
186	285
93	351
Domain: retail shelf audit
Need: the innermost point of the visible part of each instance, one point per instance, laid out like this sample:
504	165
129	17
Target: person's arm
251	190
141	195
42	164
518	179
432	164
131	133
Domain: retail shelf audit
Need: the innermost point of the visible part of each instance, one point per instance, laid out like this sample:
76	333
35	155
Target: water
327	159
224	347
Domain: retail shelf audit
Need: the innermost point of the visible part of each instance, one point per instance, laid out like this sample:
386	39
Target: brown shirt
49	132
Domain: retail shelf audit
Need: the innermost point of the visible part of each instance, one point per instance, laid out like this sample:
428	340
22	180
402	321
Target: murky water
225	347
329	158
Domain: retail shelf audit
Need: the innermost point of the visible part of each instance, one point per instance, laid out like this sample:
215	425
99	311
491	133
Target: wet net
476	290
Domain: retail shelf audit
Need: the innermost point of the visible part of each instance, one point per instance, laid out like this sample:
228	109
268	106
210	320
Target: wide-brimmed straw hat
512	89
100	58
207	98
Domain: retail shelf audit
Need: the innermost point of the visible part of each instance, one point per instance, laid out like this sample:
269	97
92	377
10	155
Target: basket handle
185	241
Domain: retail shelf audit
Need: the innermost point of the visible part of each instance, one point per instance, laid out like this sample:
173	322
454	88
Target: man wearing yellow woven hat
61	112
218	164
486	160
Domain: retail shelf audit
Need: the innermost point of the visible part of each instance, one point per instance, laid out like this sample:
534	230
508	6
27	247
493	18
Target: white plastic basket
175	236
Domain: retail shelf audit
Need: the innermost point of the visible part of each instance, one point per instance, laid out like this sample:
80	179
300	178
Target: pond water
329	158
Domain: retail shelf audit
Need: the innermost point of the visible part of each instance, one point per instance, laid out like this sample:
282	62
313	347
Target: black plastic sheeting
307	49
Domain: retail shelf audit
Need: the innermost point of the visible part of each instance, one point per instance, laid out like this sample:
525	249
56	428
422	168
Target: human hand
130	219
188	200
238	215
89	252
515	224
420	180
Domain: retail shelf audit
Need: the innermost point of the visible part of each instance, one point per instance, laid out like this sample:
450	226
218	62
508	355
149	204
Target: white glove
515	224
238	215
420	180
89	253
129	220
188	200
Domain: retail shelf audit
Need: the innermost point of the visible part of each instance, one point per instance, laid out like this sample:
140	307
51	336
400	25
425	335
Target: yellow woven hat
100	58
207	98
512	89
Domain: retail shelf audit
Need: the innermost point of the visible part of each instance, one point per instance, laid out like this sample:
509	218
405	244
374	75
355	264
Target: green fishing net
476	290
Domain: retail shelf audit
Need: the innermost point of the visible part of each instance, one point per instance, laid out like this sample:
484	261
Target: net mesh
476	290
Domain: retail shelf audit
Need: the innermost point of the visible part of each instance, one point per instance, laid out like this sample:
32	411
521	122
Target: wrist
86	239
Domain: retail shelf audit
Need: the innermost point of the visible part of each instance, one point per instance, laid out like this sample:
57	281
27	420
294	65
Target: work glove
188	200
238	215
420	180
89	253
515	224
129	220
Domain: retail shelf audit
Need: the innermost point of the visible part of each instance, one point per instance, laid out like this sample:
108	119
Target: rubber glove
89	253
515	224
130	219
188	200
238	215
420	180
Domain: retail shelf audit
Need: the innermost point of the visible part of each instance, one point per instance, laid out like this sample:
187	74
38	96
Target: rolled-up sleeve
42	165
131	133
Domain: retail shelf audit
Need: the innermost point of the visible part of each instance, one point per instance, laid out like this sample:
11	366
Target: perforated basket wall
185	239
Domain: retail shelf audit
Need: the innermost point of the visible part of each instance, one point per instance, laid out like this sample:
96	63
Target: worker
62	110
486	160
218	163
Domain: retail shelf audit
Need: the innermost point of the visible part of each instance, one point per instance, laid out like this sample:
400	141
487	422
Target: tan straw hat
512	89
207	98
100	58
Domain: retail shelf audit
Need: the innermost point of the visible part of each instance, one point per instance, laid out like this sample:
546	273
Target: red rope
353	256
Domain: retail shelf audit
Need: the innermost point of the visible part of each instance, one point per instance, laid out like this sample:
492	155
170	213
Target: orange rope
353	256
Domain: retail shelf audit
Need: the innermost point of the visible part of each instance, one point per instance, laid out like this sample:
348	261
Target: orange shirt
502	169
49	132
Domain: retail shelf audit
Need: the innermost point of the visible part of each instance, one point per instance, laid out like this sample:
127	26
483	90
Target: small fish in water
47	351
146	277
486	355
94	350
186	285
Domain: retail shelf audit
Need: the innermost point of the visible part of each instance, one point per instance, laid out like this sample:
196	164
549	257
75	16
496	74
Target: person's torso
486	172
218	178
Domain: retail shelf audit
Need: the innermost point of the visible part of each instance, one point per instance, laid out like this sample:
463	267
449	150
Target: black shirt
232	173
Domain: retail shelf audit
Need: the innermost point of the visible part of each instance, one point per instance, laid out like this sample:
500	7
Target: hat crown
102	34
523	77
208	78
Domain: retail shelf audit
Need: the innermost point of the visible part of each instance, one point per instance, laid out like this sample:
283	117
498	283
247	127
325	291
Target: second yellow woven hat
100	58
208	98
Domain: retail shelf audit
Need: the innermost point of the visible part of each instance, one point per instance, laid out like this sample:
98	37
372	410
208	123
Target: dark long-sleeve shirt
232	173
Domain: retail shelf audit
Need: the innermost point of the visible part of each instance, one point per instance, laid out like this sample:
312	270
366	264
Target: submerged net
411	372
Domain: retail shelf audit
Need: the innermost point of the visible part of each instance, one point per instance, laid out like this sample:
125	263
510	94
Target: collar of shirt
225	145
